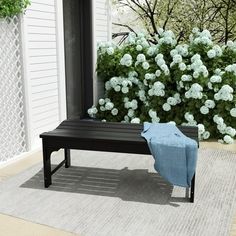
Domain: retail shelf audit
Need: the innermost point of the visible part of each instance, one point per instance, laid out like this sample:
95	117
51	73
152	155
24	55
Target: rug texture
121	195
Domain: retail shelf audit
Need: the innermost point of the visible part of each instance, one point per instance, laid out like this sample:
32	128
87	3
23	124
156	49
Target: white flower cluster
157	89
166	37
190	118
159	59
216	51
209	104
231	68
225	93
233	112
126	60
200	75
228	131
141	59
120	84
153	116
203	37
171	101
198	67
231	45
195	91
92	111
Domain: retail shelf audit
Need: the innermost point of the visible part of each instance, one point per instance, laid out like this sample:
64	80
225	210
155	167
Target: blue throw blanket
175	154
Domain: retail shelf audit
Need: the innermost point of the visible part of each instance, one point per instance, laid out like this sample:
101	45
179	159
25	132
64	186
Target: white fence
12	120
32	76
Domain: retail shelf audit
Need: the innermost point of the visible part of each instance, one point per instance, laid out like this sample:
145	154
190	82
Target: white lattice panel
12	125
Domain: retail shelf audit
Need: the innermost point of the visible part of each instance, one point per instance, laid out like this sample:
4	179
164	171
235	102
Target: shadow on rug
129	185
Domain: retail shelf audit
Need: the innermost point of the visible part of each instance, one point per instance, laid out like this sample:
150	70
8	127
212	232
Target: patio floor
14	226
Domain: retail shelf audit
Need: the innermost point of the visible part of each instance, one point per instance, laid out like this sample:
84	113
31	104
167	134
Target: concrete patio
14	226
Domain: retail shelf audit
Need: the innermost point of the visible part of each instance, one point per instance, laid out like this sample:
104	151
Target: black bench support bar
98	136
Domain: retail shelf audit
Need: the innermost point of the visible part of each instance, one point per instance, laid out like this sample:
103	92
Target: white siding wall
102	25
42	74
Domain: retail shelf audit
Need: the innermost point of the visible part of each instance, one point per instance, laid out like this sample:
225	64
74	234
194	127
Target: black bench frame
95	136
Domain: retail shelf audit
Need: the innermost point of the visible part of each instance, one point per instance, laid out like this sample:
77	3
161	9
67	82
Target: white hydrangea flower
125	90
135	121
186	78
211	53
141	58
134	104
171	101
166	107
156	120
101	101
230	131
126	60
117	88
222	128
210	104
209	85
204	110
230	44
152	113
196	74
145	65
150	92
173	52
233	112
114	111
114	81
92	111
151	51
201	128
182	66
158	73
160	62
217	50
109	105
188	116
216	79
130	113
195	91
139	48
225	93
110	51
228	139
177	59
195	57
108	85
218	120
102	108
206	135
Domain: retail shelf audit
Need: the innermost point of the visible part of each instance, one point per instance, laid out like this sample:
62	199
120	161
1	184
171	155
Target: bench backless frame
98	136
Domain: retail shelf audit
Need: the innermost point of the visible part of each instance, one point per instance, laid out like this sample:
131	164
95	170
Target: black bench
98	136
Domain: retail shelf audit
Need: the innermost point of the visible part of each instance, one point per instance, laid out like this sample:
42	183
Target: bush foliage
10	8
187	84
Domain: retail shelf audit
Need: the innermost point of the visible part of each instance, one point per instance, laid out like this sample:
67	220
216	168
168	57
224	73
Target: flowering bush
187	84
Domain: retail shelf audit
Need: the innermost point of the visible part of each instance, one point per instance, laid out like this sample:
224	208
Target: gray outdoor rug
120	194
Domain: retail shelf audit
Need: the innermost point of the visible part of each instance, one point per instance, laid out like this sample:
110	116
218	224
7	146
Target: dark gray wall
78	56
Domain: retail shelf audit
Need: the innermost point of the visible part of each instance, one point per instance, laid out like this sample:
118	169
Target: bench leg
192	189
47	166
67	158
